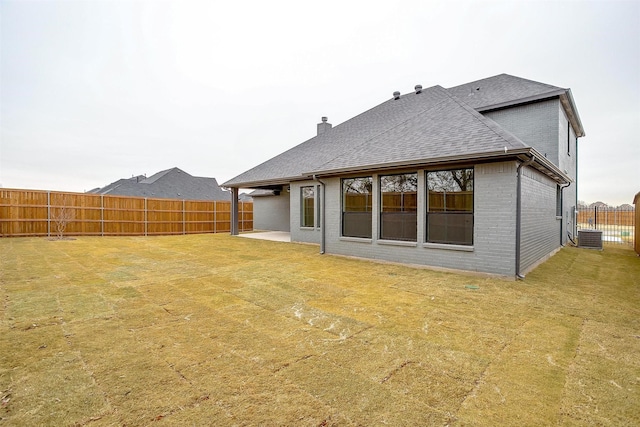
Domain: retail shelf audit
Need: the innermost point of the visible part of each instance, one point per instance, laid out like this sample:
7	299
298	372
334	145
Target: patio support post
234	211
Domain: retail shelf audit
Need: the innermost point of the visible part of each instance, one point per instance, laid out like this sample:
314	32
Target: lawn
220	330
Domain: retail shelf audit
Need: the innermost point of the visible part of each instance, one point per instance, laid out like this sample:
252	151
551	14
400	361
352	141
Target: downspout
519	213
562	187
322	215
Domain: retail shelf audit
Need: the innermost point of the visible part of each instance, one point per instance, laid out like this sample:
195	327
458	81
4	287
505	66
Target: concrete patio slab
275	236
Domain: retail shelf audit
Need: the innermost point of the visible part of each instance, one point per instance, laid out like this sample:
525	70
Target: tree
62	216
451	180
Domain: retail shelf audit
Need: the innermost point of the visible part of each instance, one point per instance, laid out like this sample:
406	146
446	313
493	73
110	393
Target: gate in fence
617	224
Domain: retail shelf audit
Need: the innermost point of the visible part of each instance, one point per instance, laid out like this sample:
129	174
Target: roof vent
418	89
396	95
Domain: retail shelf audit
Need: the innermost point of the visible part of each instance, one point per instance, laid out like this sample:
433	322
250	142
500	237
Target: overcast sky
94	91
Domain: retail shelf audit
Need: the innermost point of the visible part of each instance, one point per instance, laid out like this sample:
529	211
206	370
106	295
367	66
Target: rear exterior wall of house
494	206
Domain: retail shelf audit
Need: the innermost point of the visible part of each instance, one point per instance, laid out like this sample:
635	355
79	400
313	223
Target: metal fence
617	224
37	213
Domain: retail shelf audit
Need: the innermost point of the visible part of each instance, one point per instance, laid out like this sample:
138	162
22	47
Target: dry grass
210	329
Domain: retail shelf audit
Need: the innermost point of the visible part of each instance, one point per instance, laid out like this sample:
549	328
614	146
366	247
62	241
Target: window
307	204
558	200
356	207
398	207
450	206
569	138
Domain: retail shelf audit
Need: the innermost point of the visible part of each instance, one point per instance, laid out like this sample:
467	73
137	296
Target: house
172	183
478	177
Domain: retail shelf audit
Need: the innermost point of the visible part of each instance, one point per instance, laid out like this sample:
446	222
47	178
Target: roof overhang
540	163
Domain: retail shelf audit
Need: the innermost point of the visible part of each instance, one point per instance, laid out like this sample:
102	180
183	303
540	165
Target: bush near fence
33	213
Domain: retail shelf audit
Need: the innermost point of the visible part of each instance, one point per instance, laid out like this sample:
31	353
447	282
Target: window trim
449	245
380	207
302	206
342	208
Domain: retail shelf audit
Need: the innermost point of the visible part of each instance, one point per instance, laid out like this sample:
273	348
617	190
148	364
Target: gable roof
435	126
502	90
172	183
505	90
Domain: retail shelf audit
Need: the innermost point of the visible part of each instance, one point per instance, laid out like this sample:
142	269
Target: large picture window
307	218
399	206
357	207
450	206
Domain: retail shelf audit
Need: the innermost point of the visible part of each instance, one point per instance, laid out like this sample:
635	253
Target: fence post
215	211
146	218
102	215
183	219
48	213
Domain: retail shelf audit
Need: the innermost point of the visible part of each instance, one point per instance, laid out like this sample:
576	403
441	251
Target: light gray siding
494	223
540	226
545	127
568	158
271	212
535	124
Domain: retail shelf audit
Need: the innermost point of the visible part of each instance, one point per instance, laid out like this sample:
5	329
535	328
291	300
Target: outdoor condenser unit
591	239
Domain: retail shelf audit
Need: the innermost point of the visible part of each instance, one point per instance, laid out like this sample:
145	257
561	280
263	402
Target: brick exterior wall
272	212
540	232
493	250
299	233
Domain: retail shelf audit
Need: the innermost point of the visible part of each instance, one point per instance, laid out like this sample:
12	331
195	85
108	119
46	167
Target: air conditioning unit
591	239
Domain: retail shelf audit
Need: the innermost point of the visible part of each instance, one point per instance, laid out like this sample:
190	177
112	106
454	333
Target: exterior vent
396	95
590	239
418	89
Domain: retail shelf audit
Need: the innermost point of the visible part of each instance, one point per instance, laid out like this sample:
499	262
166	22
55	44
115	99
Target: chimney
324	126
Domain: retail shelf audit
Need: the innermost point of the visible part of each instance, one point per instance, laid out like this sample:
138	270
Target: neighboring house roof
435	125
172	183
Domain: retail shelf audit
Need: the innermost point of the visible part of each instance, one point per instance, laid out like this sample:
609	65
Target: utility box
591	239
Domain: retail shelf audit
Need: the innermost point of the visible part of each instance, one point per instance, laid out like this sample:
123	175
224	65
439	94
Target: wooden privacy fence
606	216
36	213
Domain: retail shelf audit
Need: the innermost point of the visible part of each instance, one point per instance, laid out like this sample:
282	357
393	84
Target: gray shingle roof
172	183
502	90
416	128
446	128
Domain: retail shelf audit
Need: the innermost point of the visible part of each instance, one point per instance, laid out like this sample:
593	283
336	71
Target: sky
93	91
